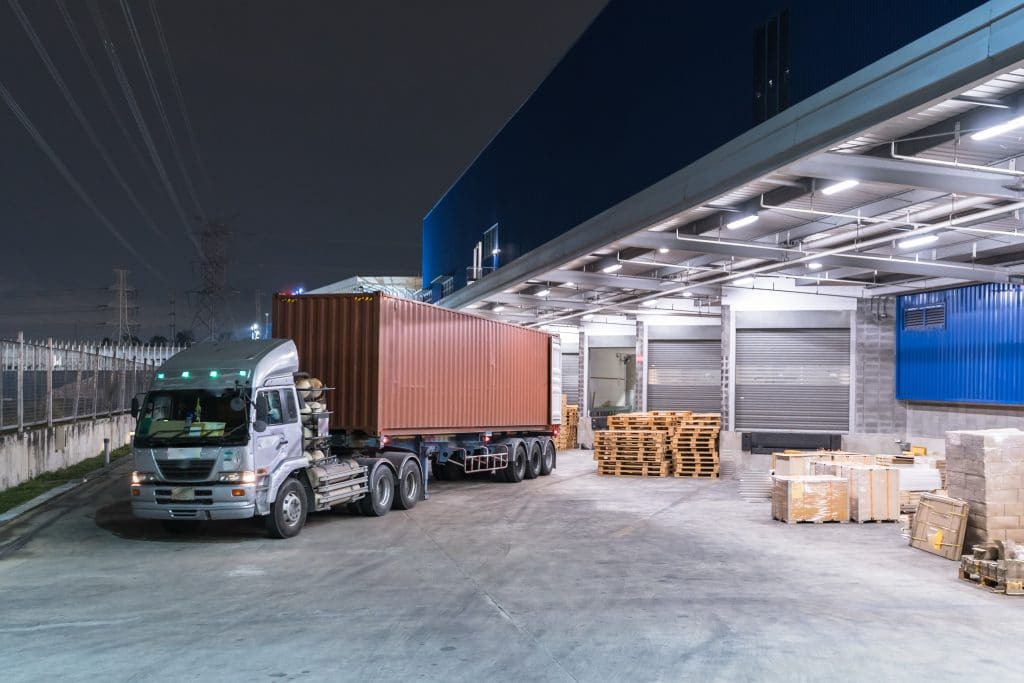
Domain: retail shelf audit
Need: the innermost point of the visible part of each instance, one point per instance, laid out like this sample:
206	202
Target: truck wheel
288	512
381	493
533	463
516	469
409	486
547	463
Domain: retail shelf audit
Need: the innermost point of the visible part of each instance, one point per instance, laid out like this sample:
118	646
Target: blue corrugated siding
976	357
650	87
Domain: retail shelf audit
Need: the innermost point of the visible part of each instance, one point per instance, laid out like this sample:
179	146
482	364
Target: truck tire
381	494
533	462
410	483
547	463
516	469
288	511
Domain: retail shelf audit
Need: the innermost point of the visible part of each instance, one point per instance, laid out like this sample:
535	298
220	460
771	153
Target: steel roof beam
948	180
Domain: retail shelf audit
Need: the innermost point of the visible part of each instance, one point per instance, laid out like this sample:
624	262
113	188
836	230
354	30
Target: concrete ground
568	577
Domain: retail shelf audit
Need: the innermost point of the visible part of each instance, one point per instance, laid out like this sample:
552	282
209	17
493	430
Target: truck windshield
193	417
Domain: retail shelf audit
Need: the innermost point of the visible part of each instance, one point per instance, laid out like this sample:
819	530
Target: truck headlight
243	477
143	478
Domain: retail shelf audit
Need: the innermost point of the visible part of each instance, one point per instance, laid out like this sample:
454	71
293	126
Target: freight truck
353	406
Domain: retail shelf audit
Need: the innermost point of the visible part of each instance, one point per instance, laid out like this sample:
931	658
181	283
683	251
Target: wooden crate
792	464
874	492
939	525
810	499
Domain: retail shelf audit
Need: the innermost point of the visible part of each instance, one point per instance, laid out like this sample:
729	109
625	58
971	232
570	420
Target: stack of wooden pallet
633	452
669	420
568	435
695	446
630	421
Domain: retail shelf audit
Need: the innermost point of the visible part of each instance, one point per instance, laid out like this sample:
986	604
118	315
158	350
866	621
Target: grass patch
27	490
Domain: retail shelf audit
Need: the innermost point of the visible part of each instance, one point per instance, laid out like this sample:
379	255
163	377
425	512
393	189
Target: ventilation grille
924	317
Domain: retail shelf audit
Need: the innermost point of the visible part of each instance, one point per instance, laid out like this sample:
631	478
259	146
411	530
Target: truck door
282	439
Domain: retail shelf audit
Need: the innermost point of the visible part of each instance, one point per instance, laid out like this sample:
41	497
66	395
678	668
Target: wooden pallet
622	469
696	475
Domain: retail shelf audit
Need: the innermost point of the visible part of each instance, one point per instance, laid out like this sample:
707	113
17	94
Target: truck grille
186	470
203	497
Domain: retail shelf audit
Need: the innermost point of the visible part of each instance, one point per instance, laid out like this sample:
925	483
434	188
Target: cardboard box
810	499
874	492
939	525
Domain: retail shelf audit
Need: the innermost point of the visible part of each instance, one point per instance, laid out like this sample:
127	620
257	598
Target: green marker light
159	375
186	374
242	373
213	374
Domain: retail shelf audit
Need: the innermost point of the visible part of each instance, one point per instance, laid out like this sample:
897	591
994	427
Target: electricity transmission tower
209	317
125	304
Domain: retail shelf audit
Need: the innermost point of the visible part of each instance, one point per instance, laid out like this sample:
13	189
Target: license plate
183	493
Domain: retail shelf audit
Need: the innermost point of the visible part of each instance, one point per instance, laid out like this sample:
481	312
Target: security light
1006	127
740	222
918	241
839	187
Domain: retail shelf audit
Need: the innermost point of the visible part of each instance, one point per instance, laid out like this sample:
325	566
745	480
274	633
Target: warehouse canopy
907	175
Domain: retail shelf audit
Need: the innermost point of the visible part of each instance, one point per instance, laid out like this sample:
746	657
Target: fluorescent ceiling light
588	316
650	302
662	250
498	309
612	268
687	294
495	251
816	236
840	187
568	285
918	241
814	265
1006	127
744	282
543	292
740	222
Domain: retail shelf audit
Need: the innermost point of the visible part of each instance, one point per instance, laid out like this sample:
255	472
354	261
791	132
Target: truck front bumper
210	502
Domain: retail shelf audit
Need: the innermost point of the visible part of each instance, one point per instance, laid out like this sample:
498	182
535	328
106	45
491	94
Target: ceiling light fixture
918	241
650	303
840	187
662	250
744	282
814	265
1006	127
543	292
740	222
498	309
588	316
612	268
687	294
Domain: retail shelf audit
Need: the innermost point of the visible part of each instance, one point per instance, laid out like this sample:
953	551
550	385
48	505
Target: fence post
95	385
49	383
78	380
106	450
21	382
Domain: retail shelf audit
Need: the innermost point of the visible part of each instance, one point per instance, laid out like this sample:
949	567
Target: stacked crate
695	446
986	469
632	452
568	434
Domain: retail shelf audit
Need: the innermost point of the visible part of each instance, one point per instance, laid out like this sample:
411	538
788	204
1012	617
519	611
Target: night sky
325	131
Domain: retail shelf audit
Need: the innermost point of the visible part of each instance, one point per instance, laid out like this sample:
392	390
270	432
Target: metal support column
21	382
640	395
49	383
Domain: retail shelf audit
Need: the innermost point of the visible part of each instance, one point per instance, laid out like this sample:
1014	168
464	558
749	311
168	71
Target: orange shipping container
402	368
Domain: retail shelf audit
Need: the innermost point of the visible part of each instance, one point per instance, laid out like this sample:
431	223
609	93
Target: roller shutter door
571	377
793	379
684	375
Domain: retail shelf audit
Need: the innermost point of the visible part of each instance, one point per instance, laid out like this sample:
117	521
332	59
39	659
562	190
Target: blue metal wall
650	86
977	356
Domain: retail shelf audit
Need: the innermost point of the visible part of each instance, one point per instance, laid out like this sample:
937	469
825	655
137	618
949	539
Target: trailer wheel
288	512
516	469
409	485
534	461
547	463
381	494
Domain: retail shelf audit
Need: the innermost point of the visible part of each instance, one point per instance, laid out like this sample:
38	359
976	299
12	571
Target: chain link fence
48	383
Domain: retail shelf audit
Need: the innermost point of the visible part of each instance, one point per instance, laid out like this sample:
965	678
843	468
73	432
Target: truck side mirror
259	426
135	406
237	404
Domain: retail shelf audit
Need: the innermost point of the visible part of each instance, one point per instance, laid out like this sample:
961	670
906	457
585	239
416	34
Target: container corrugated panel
963	345
401	367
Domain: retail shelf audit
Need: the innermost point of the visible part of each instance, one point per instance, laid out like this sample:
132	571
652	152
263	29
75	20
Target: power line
79	114
108	100
133	31
177	91
133	105
70	178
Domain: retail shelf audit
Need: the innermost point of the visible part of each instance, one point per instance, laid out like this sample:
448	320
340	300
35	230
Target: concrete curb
28	506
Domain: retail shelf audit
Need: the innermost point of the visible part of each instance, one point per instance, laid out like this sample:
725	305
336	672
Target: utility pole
210	307
171	325
124	303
